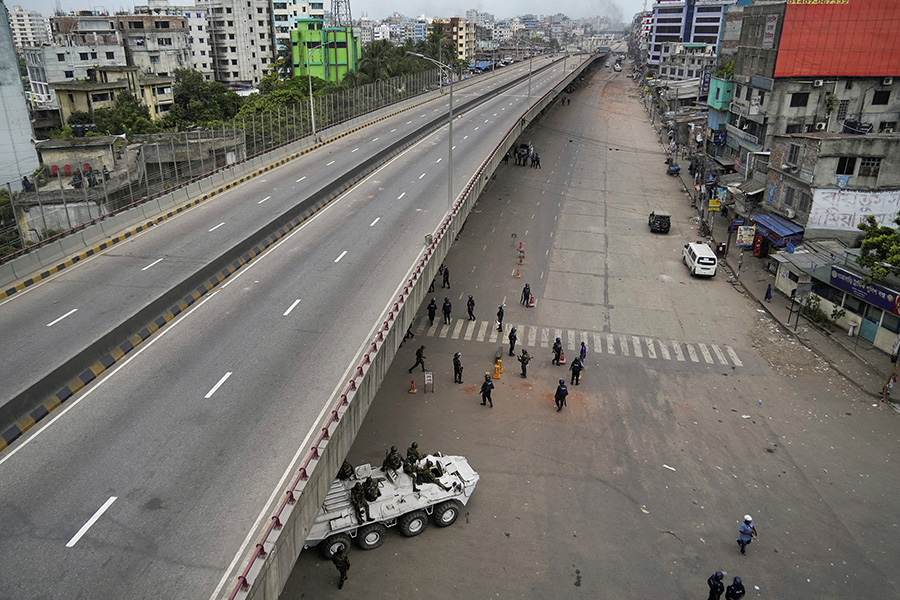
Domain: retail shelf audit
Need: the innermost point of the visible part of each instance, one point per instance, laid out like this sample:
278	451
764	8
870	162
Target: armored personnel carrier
398	504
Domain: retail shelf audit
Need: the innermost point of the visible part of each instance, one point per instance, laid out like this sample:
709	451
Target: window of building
135	24
154	59
161	24
887	127
69	74
690	73
843	107
788	196
848	85
852	304
165	41
827	292
846	165
203	65
805	203
799	99
203	53
230	36
82	55
228	11
111	55
869	166
681	72
233	48
762	97
881	96
793	154
100	97
233	62
93	56
747	91
891	322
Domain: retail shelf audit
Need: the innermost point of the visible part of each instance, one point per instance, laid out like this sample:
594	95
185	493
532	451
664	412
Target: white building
285	14
502	32
240	34
197	32
685	21
28	27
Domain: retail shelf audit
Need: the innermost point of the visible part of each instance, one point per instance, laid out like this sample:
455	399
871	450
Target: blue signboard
770	193
882	297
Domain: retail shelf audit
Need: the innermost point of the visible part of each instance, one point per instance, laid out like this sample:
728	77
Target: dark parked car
660	221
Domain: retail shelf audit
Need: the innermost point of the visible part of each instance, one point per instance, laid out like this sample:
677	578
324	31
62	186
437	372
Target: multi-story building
28	27
241	35
685	21
285	14
420	28
381	31
686	61
502	32
103	85
461	35
197	31
328	53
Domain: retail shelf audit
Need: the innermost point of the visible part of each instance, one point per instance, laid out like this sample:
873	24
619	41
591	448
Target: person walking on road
486	388
500	318
446	282
582	354
512	341
576	367
471	306
561	392
746	533
769	293
457	368
506	158
537	161
420	359
557	351
716	587
736	590
526	294
446	309
342	562
432	310
525	358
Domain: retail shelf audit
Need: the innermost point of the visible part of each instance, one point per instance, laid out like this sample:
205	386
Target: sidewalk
853	357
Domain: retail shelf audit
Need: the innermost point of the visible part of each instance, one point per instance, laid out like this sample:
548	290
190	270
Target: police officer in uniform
457	369
561	392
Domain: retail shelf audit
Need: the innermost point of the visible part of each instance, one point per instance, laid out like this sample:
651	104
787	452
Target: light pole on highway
529	74
449	133
312	111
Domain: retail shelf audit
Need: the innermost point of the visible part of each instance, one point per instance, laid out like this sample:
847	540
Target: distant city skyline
622	10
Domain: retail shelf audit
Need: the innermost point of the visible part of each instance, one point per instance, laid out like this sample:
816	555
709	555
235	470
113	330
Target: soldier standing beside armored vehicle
358	498
342	562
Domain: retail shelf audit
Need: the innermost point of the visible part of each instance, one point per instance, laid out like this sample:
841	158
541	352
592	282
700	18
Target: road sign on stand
429	380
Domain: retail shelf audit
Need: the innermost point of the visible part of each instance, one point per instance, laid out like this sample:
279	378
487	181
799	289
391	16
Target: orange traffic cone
412	386
531	301
517	273
562	357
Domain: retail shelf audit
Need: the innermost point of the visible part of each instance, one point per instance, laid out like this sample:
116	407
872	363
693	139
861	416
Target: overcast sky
622	10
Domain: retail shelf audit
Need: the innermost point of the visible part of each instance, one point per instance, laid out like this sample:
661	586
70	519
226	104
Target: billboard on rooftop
840	38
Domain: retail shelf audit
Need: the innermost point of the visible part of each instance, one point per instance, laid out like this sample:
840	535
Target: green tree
9	233
880	248
129	115
198	102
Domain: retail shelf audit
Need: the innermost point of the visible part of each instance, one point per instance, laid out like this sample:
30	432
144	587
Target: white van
700	259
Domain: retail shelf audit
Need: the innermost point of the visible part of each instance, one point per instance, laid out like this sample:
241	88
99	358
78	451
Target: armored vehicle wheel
331	544
370	536
445	513
412	524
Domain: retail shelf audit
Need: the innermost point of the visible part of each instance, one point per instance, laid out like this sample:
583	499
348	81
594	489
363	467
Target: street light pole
312	111
449	133
529	74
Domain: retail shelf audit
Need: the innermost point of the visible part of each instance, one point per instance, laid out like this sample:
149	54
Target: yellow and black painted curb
21	285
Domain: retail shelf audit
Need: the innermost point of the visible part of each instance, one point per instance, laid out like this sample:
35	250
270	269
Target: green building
328	53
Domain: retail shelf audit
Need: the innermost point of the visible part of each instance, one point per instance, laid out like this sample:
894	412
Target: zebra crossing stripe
651	348
692	353
420	327
610	344
664	351
532	336
571	339
470	329
636	342
545	337
598	343
677	349
733	356
457	329
706	355
444	330
624	342
482	330
719	354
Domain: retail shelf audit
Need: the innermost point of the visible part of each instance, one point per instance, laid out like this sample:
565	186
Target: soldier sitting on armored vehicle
358	498
410	468
345	472
426	475
370	487
412	453
392	462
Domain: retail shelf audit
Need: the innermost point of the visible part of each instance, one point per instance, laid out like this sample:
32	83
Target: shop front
772	230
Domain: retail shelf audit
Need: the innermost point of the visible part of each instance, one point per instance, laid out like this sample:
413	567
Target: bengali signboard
745	236
882	297
768	41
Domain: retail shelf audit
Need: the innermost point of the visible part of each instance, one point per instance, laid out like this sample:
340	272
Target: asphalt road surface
148	483
695	408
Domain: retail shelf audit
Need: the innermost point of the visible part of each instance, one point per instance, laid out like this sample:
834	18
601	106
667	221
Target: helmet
737	580
470	296
562	382
558	340
456	355
393	448
499	306
446	299
748	518
719	575
513	329
415	444
433	300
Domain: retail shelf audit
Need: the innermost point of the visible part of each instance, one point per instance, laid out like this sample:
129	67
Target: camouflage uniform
358	498
342	562
426	476
370	488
